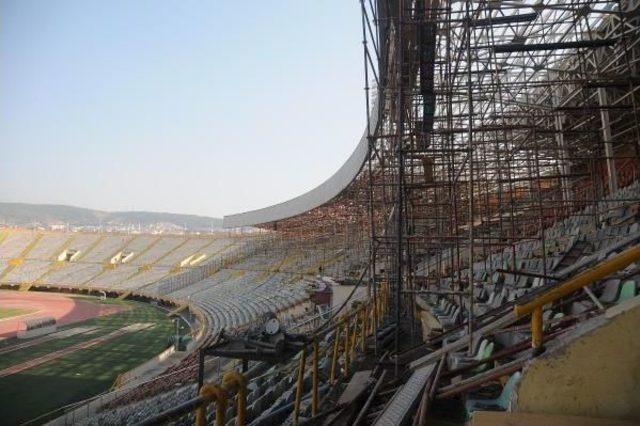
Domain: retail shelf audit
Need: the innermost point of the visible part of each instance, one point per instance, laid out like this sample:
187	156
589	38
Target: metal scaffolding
498	119
495	119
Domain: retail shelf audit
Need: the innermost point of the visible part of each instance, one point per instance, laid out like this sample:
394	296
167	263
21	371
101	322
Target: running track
63	308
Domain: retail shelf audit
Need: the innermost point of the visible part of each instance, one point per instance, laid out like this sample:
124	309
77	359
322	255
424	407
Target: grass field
83	373
13	312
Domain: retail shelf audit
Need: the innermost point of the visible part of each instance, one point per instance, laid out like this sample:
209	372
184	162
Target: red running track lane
64	309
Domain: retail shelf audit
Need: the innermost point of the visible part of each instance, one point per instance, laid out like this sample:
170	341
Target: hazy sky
205	107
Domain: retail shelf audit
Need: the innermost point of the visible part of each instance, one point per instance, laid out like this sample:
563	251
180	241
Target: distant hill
48	215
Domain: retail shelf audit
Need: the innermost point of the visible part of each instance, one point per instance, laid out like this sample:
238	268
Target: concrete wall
497	418
594	372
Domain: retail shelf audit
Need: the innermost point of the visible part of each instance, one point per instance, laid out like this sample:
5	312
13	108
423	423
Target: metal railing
595	273
350	333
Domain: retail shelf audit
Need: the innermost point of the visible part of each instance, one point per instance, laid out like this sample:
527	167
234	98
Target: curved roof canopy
316	197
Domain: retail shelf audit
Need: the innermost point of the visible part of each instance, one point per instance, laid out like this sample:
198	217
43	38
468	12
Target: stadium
475	260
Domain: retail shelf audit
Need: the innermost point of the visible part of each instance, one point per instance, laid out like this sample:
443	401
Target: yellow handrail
601	270
212	393
595	273
336	354
352	328
299	387
236	381
347	349
315	379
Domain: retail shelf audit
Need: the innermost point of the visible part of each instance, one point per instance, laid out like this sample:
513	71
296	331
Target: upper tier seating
104	261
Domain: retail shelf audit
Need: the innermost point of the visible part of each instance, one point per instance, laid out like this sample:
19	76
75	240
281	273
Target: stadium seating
27	271
107	248
67	259
267	391
228	298
500	403
14	243
231	301
50	245
236	295
157	249
572	244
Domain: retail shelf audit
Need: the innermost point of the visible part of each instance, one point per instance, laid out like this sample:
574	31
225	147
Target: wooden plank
360	382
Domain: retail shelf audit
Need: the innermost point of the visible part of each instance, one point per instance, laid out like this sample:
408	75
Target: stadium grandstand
476	260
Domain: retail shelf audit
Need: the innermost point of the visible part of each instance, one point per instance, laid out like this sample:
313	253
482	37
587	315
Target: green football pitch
81	373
